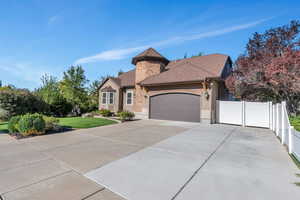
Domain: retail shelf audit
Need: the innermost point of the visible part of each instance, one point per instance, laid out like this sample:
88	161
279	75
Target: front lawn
3	127
79	122
73	122
295	121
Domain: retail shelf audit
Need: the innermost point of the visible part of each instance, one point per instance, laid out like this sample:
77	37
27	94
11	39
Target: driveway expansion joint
203	164
24	186
92	194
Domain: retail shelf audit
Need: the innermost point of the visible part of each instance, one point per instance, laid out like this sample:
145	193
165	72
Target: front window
129	98
104	98
111	98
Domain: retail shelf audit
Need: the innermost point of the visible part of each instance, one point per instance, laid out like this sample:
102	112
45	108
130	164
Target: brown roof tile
149	54
116	80
127	79
185	70
189	70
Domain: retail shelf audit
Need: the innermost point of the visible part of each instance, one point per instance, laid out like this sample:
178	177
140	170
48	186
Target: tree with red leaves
270	68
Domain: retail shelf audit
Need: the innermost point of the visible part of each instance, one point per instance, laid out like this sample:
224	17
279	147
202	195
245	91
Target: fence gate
258	114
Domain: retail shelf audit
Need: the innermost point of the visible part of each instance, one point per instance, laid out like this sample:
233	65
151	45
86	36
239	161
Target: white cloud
118	54
53	19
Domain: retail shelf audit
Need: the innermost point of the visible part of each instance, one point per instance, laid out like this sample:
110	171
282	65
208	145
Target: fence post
274	117
291	139
277	119
243	113
270	115
282	123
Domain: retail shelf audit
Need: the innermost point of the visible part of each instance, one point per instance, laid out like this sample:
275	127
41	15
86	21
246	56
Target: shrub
21	101
51	123
118	113
126	115
4	114
12	125
105	112
31	124
85	115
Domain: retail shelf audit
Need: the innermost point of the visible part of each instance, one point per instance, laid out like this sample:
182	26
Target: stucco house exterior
180	90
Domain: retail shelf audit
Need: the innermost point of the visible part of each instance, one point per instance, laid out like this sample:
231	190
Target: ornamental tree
269	70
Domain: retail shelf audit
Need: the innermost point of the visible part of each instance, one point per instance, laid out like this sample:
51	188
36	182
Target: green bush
12	125
21	101
51	123
105	112
96	112
126	115
118	113
31	124
4	115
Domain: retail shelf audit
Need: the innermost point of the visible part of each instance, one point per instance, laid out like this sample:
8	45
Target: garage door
175	106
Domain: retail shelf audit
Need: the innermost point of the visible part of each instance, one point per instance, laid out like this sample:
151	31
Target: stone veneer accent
144	69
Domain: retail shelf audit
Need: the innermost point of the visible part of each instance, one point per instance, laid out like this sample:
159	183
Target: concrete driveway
210	162
148	160
51	166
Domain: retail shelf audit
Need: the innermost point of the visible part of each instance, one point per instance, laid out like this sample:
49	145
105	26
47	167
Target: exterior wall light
206	95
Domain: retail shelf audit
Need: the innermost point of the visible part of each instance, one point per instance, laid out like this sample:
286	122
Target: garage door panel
175	106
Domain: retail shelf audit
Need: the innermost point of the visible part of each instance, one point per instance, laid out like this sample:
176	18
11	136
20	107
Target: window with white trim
104	96
111	97
108	98
129	97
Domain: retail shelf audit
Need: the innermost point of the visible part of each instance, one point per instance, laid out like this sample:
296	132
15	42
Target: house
181	90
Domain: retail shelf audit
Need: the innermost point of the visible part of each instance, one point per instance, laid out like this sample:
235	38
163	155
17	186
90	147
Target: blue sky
39	36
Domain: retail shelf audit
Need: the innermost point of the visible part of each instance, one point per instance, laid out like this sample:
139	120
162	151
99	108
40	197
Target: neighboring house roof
150	54
190	70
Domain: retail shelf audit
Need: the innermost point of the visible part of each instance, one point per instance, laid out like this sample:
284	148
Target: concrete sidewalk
209	161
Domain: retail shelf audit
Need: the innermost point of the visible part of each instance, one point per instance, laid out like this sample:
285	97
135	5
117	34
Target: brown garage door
175	106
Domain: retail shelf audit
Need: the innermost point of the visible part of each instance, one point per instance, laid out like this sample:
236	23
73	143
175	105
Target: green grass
73	122
295	160
3	127
295	121
79	122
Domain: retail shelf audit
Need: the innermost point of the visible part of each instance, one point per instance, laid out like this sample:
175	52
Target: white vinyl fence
261	114
245	113
283	129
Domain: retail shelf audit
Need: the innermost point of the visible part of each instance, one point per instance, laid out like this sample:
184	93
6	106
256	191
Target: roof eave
170	83
149	58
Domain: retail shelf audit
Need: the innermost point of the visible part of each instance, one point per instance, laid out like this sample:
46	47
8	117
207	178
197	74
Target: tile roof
191	69
149	54
127	79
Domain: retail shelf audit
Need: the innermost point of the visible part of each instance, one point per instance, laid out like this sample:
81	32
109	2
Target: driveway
210	162
148	160
52	166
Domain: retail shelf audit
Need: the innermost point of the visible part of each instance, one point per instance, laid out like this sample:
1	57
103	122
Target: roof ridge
190	58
